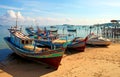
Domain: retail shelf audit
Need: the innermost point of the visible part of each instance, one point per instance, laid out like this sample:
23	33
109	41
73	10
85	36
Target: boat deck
58	41
31	48
21	35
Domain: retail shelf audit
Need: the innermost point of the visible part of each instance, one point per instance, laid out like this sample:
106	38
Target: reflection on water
4	53
7	56
3	32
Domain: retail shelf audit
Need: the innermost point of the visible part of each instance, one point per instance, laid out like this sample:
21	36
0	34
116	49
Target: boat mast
16	19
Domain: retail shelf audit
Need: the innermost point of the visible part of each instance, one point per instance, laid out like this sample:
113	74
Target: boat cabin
19	39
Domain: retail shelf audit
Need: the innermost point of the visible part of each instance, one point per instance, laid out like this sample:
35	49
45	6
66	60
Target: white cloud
10	14
9	18
20	16
10	7
53	21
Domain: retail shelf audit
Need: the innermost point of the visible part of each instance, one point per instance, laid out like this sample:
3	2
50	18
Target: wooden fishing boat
71	30
24	46
45	40
30	31
39	32
53	30
52	26
50	41
95	40
77	44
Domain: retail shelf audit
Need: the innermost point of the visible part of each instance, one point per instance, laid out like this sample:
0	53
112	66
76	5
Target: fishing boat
96	40
77	44
53	30
30	31
49	40
71	30
45	41
52	26
25	47
39	32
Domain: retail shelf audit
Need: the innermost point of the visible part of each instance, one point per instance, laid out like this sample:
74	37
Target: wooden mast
16	19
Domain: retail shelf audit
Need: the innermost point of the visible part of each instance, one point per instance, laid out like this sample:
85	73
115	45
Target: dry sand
93	62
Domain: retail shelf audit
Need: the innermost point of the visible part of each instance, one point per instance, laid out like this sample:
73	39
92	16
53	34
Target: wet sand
93	62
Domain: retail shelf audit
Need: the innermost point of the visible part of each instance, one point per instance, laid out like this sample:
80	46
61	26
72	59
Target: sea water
3	32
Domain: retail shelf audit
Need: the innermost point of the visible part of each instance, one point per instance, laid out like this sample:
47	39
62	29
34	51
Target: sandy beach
93	62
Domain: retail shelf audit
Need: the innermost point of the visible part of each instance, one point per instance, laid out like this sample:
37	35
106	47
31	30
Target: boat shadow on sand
96	46
20	67
71	52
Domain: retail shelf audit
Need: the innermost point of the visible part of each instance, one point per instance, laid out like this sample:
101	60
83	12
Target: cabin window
22	41
27	42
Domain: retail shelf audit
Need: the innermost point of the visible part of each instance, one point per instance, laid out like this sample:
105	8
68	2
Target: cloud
52	21
10	14
10	7
9	18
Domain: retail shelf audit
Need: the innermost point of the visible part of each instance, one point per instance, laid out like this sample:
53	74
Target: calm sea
3	32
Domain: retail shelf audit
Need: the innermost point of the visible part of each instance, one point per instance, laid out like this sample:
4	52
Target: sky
55	12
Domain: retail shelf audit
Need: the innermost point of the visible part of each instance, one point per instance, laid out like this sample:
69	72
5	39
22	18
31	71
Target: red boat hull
77	46
54	62
80	49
